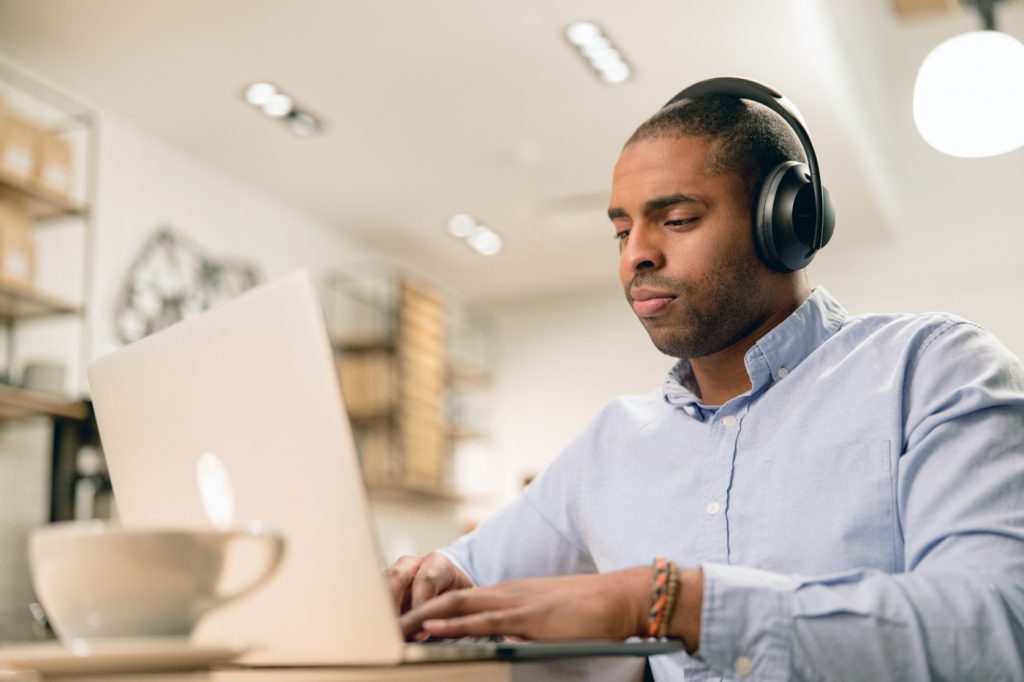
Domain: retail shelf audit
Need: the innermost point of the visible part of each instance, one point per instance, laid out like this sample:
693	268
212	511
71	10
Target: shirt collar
772	357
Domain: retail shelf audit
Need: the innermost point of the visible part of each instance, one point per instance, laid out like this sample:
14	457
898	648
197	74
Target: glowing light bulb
969	95
258	94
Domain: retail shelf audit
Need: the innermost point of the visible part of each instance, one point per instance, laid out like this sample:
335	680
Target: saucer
115	655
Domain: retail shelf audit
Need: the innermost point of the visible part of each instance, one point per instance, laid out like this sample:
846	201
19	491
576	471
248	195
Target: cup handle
275	544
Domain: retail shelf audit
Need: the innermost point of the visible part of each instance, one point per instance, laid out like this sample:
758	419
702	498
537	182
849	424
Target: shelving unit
20	403
24	304
393	339
18	302
41	202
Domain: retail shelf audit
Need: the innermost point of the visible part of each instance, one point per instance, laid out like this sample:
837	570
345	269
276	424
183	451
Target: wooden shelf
21	403
20	302
40	201
384	418
400	491
468	435
362	345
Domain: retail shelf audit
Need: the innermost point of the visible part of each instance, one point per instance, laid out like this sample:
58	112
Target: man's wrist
638	596
685	622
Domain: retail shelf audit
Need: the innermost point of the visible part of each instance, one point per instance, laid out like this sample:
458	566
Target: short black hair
751	138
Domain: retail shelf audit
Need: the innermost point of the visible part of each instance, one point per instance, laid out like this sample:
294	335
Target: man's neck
723	375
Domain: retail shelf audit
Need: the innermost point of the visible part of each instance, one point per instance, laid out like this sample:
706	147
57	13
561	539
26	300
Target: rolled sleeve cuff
746	622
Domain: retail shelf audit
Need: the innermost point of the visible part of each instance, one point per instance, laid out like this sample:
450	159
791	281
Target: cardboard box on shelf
17	251
53	167
368	383
19	142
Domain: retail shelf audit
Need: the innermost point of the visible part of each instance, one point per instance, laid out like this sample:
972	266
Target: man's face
687	260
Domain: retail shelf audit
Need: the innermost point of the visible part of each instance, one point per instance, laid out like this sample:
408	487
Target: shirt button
783	373
713	508
744	666
729	421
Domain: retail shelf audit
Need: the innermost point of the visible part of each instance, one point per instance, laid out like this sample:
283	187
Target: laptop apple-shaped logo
216	491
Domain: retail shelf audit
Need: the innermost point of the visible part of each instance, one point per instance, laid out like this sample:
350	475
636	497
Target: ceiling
443	106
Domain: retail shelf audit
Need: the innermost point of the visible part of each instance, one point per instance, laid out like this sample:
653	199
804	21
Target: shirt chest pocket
823	510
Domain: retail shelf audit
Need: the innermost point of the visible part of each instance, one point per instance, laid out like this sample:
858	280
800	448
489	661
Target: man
844	495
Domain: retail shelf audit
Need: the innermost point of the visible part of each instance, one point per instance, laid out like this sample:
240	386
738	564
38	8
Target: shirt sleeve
537	534
957	610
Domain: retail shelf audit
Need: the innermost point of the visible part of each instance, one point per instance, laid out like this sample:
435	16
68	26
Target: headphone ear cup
764	241
784	218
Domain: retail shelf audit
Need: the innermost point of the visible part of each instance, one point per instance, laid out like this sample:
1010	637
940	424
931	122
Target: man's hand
601	606
414	580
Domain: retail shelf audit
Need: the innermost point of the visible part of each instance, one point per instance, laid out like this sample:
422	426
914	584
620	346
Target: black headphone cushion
784	218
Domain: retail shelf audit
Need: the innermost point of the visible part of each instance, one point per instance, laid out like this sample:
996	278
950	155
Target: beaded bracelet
663	597
671	600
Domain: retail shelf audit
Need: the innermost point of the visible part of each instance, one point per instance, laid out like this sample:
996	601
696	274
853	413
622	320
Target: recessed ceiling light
303	124
582	32
595	47
615	74
259	94
276	104
461	224
481	239
485	240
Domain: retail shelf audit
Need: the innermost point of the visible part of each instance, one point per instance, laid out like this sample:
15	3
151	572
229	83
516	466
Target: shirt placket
723	435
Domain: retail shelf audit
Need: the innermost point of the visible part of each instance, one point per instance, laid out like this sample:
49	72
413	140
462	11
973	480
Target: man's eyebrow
653	205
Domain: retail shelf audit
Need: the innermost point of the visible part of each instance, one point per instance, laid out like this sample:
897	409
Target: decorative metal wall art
172	279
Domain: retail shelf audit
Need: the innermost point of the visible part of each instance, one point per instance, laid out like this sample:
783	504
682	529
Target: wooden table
610	669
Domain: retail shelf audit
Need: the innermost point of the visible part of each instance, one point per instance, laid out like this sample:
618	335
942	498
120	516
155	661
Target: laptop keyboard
492	639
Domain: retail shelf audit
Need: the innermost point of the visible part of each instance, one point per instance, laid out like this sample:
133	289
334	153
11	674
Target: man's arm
518	541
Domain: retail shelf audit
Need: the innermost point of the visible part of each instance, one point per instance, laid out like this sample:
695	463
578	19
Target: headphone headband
762	94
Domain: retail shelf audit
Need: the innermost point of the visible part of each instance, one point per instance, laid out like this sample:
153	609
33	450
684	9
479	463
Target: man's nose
642	250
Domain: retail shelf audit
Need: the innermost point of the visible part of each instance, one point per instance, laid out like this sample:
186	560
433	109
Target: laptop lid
245	397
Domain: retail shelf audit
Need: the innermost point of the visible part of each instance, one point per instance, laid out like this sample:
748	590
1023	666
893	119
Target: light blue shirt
859	513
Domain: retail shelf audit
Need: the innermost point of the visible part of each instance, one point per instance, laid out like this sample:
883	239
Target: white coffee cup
96	579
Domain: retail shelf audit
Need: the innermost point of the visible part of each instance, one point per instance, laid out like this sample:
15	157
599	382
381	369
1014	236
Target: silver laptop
235	416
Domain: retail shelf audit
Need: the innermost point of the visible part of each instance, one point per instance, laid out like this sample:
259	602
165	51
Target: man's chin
672	345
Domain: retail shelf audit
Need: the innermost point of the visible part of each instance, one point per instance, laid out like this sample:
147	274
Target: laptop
251	385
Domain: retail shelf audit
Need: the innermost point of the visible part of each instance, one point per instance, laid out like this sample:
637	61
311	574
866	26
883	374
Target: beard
710	314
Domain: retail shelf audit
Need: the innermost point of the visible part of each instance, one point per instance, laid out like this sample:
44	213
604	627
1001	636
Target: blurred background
158	156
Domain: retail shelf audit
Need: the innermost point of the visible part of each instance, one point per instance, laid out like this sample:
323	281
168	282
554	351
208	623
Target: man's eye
620	235
679	222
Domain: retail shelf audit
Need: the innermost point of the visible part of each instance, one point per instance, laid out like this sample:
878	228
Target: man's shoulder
637	409
897	321
638	405
943	337
909	330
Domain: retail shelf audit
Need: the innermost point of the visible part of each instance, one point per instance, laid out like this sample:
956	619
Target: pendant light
969	94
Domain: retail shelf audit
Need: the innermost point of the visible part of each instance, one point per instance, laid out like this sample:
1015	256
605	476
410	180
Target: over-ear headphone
793	215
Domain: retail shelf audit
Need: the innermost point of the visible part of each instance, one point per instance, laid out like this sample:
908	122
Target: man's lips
649	302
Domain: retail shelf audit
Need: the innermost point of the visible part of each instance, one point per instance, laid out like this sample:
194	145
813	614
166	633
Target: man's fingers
505	622
450	604
400	576
435	575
